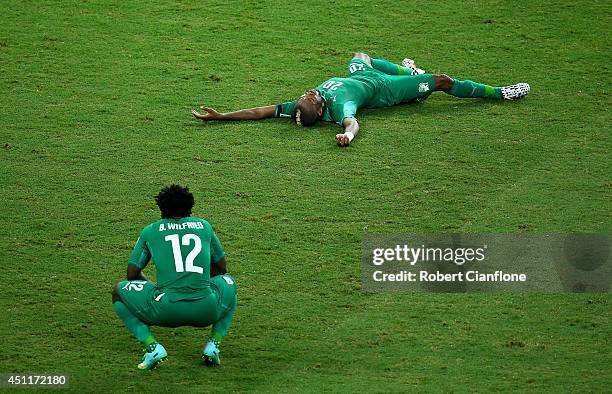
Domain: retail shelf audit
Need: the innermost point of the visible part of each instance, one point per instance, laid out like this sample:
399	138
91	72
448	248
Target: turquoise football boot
211	354
155	353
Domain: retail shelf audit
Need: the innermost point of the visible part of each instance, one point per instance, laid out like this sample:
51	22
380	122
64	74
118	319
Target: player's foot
410	63
515	92
211	354
155	353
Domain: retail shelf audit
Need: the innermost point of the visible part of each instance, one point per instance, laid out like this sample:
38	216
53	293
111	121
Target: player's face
313	97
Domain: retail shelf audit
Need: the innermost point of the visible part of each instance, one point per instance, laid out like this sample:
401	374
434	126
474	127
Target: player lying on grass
371	83
193	288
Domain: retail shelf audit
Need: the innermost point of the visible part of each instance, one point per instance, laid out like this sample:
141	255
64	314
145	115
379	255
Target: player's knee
443	82
362	56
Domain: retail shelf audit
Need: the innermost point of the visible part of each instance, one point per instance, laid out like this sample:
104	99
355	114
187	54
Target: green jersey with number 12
182	250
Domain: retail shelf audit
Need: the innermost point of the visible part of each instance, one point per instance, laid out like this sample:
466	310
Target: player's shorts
155	306
392	90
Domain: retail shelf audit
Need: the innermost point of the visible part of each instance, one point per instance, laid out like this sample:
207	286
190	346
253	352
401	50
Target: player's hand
342	140
210	114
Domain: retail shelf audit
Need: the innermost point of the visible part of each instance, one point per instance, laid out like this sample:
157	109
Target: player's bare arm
351	128
243	114
135	273
218	268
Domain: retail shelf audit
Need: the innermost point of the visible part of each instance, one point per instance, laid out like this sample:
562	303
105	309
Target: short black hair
175	201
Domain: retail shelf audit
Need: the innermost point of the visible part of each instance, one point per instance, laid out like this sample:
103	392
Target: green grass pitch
95	120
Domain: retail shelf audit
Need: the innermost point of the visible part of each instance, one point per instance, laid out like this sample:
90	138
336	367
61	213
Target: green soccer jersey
182	250
344	96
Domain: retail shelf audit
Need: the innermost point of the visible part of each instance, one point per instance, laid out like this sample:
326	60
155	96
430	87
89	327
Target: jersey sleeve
216	250
349	110
343	111
141	255
285	110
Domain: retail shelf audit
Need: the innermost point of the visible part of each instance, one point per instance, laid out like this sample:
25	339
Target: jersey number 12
178	256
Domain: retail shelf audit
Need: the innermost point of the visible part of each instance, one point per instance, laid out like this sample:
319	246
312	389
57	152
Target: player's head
309	108
175	201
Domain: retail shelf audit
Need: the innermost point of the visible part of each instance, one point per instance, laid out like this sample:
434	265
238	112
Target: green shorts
407	88
390	90
156	306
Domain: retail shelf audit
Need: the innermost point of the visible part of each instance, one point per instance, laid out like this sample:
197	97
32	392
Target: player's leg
131	301
225	286
360	62
133	292
382	65
471	89
399	89
409	68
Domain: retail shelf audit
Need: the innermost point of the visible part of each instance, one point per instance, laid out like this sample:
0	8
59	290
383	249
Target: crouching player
193	288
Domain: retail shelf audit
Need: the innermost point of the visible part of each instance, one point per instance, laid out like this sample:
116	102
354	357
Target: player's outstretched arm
351	128
244	114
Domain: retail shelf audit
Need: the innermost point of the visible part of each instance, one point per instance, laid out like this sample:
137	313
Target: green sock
390	68
221	327
217	336
471	89
139	329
